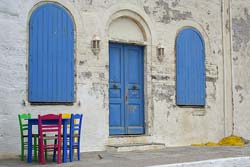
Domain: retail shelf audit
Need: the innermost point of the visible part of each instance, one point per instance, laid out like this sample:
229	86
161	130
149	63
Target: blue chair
75	134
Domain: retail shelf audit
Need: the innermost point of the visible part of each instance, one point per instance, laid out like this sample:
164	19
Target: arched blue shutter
190	68
51	55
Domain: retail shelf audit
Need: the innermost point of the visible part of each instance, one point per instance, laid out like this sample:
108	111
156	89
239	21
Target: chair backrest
76	124
66	115
46	126
23	124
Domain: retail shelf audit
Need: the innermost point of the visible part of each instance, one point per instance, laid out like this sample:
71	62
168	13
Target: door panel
126	89
134	86
116	90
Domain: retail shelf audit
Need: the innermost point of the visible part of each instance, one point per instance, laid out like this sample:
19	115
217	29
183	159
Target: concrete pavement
173	156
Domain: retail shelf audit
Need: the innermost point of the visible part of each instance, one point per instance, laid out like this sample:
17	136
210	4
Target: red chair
49	127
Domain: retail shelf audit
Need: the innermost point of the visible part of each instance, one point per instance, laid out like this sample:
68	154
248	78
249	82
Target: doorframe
147	84
144	23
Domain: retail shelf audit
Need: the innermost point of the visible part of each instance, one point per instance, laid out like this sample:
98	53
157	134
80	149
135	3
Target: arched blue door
51	55
190	68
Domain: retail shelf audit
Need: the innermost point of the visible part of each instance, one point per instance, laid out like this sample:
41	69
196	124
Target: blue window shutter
190	68
51	55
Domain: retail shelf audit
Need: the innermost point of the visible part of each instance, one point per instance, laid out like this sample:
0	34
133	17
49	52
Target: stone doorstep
135	147
129	139
9	156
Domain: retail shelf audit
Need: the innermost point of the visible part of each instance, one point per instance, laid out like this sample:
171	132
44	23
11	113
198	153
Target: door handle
115	86
126	96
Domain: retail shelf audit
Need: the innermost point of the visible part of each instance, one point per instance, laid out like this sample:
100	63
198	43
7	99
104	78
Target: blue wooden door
51	55
190	68
126	90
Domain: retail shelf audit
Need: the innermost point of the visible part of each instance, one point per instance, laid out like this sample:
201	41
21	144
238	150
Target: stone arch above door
133	14
125	29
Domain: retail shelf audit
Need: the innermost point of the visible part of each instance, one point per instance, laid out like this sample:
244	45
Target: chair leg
22	151
39	150
42	156
71	154
35	148
42	151
71	150
46	153
78	152
54	152
39	154
59	150
59	154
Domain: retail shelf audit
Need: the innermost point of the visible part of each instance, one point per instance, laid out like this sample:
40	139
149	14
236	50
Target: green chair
24	135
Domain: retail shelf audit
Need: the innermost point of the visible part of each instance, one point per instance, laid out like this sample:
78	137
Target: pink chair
49	127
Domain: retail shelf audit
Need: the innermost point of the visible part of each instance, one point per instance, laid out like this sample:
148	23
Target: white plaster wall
182	125
91	76
166	122
240	63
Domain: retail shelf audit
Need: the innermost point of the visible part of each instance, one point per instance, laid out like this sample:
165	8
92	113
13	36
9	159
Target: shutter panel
51	55
190	68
